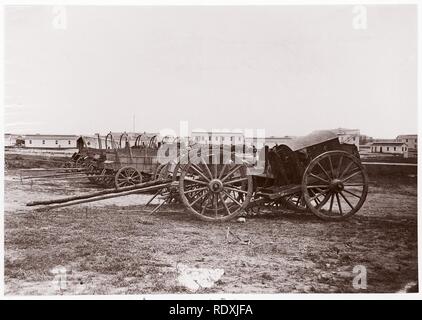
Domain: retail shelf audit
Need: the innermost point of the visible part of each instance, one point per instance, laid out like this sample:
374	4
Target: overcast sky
288	69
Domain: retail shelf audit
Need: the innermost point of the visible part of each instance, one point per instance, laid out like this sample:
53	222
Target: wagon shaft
105	194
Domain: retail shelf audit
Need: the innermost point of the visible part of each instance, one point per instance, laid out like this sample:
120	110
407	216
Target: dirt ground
117	247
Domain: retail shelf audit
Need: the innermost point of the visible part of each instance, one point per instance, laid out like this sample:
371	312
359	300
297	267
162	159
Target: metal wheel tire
215	192
127	176
335	185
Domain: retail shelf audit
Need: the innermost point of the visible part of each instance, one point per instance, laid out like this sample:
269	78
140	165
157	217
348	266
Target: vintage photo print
210	149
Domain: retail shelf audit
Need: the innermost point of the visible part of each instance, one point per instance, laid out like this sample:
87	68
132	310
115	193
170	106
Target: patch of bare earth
118	247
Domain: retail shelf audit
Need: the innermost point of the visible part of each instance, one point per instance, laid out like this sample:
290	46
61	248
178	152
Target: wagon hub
216	185
336	185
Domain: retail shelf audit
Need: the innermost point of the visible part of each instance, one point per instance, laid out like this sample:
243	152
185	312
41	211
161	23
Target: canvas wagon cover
311	139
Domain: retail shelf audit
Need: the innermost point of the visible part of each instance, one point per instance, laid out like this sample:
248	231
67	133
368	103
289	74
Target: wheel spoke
204	207
230	173
193	166
237	180
339	166
325	171
317	186
339	204
231	198
319	178
318	195
236	190
215	204
207	168
345	199
346	169
353	194
215	169
197	199
351	176
331	202
222	171
360	184
196	181
331	166
224	203
195	190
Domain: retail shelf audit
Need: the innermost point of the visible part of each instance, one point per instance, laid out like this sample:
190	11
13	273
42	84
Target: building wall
391	149
226	138
410	140
9	141
35	142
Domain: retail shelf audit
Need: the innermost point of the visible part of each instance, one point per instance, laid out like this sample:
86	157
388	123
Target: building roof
388	143
50	136
412	136
216	132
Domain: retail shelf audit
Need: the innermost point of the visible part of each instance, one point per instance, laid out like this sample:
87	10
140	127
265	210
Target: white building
50	141
12	140
390	147
350	136
411	141
218	137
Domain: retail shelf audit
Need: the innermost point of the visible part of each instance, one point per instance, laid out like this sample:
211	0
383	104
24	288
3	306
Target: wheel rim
127	176
215	191
335	185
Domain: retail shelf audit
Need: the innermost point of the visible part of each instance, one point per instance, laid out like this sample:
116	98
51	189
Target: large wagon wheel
127	176
106	178
335	185
215	192
93	173
162	172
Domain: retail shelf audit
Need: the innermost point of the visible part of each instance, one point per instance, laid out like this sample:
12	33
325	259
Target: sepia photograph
210	150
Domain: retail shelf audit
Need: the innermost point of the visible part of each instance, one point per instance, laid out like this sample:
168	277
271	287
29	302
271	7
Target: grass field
118	247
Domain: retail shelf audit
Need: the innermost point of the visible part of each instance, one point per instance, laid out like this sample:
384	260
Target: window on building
43	142
407	140
394	148
388	148
57	142
69	142
88	143
402	149
30	141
